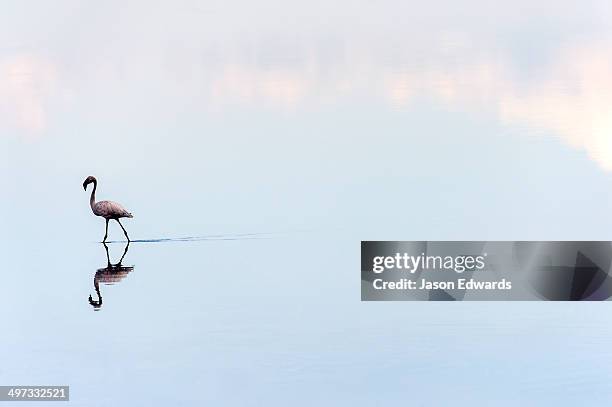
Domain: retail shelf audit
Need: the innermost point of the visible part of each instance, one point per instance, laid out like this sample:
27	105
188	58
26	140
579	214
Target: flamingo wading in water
106	209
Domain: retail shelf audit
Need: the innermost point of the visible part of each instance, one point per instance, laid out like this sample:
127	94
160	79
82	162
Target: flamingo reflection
111	274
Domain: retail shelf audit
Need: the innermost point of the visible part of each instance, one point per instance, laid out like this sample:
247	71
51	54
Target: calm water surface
256	145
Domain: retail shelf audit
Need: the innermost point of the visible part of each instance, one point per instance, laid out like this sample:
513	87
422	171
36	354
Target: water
257	145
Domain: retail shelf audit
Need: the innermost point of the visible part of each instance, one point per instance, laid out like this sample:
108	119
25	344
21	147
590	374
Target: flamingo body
110	210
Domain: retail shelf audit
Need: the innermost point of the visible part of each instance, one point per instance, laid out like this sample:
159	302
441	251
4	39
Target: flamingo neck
92	198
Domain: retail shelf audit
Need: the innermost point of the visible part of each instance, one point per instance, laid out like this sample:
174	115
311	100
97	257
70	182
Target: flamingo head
88	181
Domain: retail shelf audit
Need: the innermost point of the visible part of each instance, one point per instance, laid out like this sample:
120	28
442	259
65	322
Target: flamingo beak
84	186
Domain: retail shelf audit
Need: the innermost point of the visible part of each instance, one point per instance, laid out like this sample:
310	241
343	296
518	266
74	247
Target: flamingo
106	209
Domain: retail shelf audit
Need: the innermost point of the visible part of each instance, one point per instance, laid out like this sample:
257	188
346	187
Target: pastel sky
291	56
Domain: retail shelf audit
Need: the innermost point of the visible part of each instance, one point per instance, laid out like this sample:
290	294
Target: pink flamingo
107	209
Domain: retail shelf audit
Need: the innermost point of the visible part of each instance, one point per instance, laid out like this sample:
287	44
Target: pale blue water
257	145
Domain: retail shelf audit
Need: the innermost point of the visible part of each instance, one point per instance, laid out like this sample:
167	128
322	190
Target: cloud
245	85
26	84
571	98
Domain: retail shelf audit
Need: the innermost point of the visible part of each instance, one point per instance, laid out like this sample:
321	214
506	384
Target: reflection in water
111	274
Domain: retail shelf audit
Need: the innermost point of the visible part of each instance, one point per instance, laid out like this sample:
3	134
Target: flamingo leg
124	231
106	232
